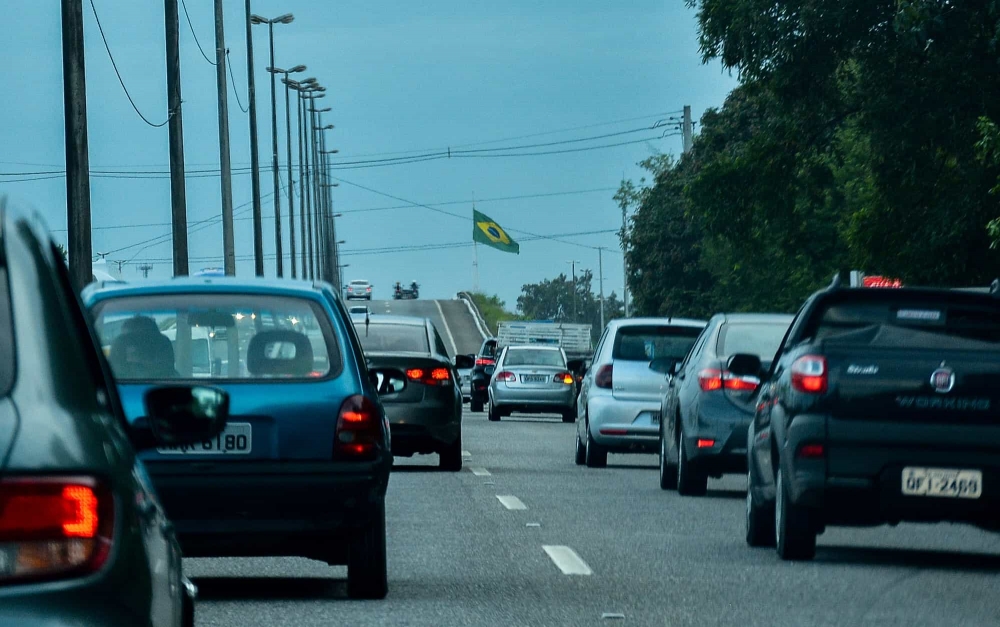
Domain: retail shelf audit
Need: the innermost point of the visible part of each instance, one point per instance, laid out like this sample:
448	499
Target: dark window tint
395	338
533	357
489	349
761	339
439	344
648	342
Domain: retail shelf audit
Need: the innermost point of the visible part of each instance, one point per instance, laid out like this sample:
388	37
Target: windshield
394	338
649	342
217	336
533	357
760	339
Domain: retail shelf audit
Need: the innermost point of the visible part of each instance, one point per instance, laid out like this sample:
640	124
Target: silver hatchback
532	379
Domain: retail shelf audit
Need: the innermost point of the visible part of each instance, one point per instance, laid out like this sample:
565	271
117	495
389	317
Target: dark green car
83	539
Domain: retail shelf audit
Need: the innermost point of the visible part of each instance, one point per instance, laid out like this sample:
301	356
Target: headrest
280	353
142	355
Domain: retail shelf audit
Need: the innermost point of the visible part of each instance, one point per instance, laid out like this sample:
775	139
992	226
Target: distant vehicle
620	397
303	464
359	313
358	289
406	293
575	339
881	406
83	538
707	409
426	416
532	379
482	370
465	364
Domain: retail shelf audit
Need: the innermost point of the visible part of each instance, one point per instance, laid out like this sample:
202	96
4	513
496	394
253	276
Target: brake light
810	375
358	429
605	376
811	451
440	374
54	527
484	361
564	377
429	377
415	373
506	376
705	443
710	379
368	289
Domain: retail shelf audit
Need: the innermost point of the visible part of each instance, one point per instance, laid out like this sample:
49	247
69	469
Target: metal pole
314	211
303	187
325	209
228	238
258	234
291	184
686	127
178	200
77	152
274	161
624	263
576	311
600	269
312	191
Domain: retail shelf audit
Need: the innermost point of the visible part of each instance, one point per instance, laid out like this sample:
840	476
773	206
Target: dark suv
486	358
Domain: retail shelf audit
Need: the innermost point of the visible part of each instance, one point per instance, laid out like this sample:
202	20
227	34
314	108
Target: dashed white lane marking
612	616
447	329
511	502
567	560
466	454
480	472
533	525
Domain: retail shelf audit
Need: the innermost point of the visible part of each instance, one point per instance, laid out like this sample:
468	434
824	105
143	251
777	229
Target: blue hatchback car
303	464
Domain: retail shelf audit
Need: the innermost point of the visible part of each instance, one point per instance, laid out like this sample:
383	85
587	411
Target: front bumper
624	425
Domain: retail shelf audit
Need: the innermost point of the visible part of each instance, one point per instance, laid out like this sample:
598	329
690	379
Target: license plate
534	378
236	439
942	482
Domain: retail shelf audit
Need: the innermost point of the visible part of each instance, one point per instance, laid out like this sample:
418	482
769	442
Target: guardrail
476	315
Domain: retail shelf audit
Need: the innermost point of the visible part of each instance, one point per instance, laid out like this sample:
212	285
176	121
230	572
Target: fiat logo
943	380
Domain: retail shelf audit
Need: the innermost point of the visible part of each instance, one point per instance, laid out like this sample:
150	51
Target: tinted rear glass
648	342
215	336
394	338
533	357
489	349
755	338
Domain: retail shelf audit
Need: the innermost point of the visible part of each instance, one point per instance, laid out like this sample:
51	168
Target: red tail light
812	451
415	373
484	361
810	375
429	377
358	429
564	377
710	379
507	377
605	376
54	527
705	443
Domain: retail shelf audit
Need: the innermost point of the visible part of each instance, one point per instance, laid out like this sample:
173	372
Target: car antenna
835	284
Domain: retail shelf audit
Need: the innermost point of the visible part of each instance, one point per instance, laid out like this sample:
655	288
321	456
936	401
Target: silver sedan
532	379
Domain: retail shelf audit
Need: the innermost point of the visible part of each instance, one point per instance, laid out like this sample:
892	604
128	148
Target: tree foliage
552	299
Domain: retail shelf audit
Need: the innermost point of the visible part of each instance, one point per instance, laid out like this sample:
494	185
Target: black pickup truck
881	406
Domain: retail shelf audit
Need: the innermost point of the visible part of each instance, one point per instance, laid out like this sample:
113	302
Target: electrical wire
117	73
232	80
195	35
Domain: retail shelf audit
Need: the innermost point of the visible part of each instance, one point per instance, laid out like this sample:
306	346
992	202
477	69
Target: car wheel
581	451
569	415
668	471
492	412
450	458
366	562
690	481
759	518
187	608
476	405
794	534
596	455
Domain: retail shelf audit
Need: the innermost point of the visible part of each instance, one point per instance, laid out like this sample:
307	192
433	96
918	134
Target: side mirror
387	381
745	365
665	365
179	415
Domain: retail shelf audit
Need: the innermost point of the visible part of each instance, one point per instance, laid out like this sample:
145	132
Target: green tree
552	299
63	252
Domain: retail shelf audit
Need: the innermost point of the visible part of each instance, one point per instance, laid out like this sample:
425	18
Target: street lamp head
256	19
343	241
276	70
309	81
338	215
287	18
297	69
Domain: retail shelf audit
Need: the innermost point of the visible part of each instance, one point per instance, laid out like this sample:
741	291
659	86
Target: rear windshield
913	324
489	349
394	338
361	283
649	342
757	338
533	357
215	336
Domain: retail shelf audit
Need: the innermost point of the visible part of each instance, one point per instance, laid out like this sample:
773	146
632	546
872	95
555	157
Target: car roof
359	281
532	346
205	285
412	321
674	322
756	318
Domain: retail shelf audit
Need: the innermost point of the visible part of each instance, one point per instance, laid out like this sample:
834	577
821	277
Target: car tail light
506	376
705	443
564	377
415	374
440	374
368	289
811	451
605	376
54	527
437	376
358	429
810	375
710	379
484	361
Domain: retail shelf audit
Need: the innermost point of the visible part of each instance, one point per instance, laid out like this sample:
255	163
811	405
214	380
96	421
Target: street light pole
258	234
288	136
175	127
576	313
600	269
228	238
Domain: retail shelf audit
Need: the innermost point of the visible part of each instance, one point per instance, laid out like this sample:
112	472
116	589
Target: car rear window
395	338
489	349
533	357
649	342
216	336
755	338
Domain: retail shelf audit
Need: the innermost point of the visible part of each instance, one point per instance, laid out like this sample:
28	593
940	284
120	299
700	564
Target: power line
117	73
232	80
194	34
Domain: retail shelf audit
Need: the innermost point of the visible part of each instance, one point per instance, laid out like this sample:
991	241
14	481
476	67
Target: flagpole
475	267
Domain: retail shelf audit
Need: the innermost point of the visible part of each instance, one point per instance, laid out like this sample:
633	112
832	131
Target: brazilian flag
486	231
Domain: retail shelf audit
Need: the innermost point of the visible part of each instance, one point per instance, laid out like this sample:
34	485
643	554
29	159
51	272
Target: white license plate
236	439
942	482
534	378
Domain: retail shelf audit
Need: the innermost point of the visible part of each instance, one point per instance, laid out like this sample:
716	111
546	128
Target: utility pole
576	311
624	257
303	187
686	130
228	238
145	268
77	152
258	234
600	270
178	200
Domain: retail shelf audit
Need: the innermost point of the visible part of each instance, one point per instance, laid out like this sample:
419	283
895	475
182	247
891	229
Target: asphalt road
452	318
468	548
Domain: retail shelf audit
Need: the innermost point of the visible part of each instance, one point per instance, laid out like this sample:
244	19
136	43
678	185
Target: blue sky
402	75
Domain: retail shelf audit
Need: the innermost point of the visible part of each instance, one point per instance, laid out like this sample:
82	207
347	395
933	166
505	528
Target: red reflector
440	374
415	373
811	450
614	432
705	443
710	379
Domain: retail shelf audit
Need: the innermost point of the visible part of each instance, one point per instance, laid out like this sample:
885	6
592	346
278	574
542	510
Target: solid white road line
511	502
567	560
447	329
480	472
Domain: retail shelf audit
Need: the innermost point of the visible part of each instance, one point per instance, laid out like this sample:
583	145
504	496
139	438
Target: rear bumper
422	428
718	444
528	399
624	425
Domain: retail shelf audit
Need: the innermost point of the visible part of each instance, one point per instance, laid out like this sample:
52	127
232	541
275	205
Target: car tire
187	608
795	536
581	451
596	455
569	415
668	471
450	457
492	412
367	576
476	405
690	480
759	519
